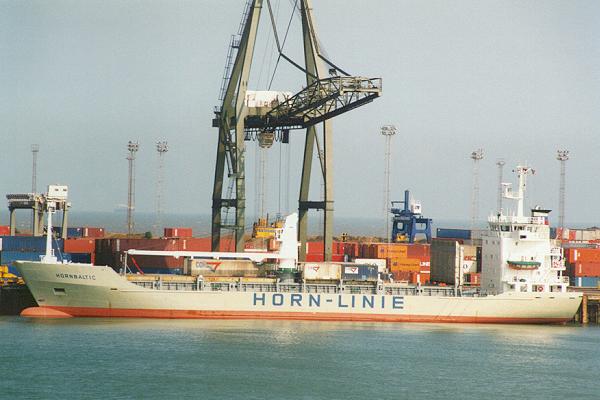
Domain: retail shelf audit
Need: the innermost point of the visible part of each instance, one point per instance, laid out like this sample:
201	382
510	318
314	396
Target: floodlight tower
476	156
562	156
132	147
35	149
387	131
161	147
500	163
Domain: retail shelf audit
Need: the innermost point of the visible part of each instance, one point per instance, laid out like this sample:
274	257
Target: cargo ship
522	282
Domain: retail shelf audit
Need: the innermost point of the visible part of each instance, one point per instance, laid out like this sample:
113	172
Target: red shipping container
337	257
584	269
351	249
314	247
178	232
4	230
587	255
314	257
418	250
80	246
204	244
93	232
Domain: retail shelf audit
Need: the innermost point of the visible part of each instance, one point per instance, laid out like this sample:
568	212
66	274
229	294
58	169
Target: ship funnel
288	242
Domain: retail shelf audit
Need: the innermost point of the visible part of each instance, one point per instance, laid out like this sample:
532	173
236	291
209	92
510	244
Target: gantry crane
327	94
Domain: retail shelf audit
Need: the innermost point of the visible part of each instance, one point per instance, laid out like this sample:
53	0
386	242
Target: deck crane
329	92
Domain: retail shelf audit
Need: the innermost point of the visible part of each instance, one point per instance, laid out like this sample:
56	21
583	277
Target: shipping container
410	277
417	250
322	271
389	250
93	232
381	264
29	244
4	230
404	264
314	247
446	261
587	255
72	232
350	249
590	282
318	257
178	232
227	268
9	257
83	245
591	269
359	272
447	233
402	276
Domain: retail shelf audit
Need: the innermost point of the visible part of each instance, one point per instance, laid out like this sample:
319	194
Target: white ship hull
79	290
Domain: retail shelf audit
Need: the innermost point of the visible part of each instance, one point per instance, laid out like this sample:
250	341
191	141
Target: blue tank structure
407	223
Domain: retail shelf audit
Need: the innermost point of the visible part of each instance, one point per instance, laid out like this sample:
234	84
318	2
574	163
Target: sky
519	79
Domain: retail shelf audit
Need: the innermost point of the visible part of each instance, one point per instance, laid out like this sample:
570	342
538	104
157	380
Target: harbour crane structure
329	91
408	221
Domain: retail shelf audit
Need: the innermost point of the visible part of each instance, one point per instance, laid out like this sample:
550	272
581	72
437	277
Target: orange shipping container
404	264
417	250
587	255
80	245
389	250
587	269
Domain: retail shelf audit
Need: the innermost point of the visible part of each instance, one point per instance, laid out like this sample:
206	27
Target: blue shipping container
71	232
359	272
9	257
29	244
446	233
586	281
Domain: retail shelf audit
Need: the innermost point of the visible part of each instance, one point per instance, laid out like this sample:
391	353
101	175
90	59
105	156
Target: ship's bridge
513	219
523	228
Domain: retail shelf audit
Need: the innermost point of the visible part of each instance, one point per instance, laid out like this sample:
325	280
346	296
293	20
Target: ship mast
522	172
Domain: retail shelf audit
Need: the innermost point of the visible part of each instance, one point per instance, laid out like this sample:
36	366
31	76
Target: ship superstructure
518	254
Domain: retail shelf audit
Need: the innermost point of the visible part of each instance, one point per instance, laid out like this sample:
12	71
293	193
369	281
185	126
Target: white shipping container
211	267
322	271
381	267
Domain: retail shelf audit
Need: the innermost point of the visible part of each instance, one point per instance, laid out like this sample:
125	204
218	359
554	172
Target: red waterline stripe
274	315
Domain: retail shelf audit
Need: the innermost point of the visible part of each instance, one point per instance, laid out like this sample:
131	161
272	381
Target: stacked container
583	266
110	252
314	252
27	248
178	232
406	262
82	250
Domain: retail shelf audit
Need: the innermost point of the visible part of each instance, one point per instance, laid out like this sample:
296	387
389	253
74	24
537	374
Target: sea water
214	359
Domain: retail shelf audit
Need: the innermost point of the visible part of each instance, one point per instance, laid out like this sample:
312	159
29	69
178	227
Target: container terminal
412	255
